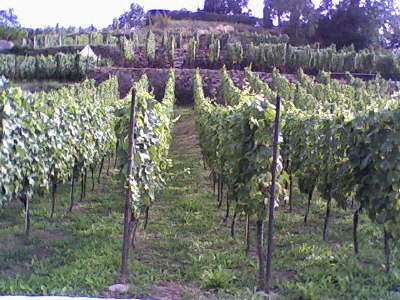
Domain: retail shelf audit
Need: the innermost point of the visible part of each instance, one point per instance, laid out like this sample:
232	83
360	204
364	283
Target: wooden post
72	188
273	196
25	201
53	193
327	215
386	238
355	228
129	219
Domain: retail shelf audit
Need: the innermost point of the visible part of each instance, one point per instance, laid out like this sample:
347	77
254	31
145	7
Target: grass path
186	244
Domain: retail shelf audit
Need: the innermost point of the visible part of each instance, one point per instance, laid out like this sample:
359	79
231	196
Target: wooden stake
129	218
273	196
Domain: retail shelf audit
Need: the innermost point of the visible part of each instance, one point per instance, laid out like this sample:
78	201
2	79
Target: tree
294	16
10	27
326	6
292	10
234	7
8	18
267	14
359	23
391	35
346	27
132	18
387	16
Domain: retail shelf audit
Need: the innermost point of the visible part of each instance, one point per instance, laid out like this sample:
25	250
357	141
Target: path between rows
186	240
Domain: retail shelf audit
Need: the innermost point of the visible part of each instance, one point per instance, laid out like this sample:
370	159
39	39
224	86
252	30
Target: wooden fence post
129	218
273	196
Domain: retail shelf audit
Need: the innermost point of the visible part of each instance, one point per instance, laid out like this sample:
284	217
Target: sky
42	13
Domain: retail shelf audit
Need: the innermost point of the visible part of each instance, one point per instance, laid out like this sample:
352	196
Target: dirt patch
285	275
13	271
50	236
11	244
78	207
170	290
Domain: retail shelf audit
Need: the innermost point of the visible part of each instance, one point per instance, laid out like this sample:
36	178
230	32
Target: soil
171	290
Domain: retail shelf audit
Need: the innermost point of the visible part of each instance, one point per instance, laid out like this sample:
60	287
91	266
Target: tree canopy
225	6
132	18
361	23
9	26
8	18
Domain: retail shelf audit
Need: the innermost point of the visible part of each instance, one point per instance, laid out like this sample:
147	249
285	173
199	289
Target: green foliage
153	137
191	52
12	33
130	19
373	159
150	46
258	86
342	138
217	278
126	47
230	94
258	39
349	25
171	48
234	54
60	66
179	40
48	133
275	52
8	18
214	52
225	6
236	142
164	42
135	40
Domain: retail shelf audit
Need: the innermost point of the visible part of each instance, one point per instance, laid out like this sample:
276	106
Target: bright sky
41	13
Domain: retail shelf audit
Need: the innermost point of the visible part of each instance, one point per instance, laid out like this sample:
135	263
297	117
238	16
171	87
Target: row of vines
262	52
341	140
267	56
54	138
236	141
60	66
60	39
143	133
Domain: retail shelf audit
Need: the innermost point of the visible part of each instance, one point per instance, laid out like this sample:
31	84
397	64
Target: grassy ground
186	251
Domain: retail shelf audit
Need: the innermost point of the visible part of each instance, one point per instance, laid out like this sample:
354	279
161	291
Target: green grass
186	251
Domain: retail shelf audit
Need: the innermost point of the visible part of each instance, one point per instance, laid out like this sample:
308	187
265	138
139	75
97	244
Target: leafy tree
225	6
388	18
12	33
291	10
355	23
325	6
296	17
8	18
10	27
267	14
391	36
132	18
